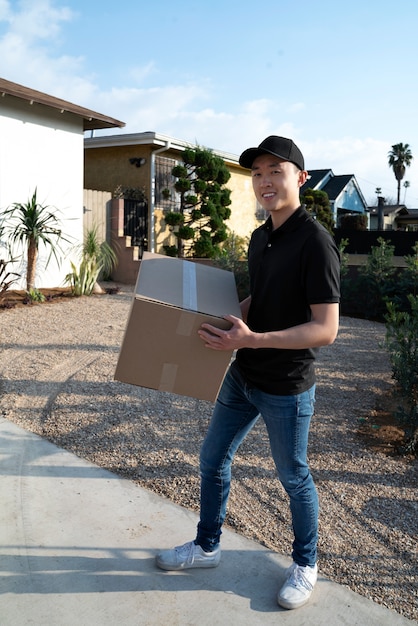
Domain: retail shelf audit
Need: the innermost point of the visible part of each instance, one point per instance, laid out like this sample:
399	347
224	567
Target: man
292	310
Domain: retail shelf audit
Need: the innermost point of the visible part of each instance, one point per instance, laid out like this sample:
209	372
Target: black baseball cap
280	147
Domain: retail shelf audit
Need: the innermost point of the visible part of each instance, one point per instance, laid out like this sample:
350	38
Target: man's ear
303	176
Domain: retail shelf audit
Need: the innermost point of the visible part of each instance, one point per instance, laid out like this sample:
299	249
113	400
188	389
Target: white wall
43	148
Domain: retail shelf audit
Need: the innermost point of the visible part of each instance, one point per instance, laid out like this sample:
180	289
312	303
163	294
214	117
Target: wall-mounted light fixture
137	161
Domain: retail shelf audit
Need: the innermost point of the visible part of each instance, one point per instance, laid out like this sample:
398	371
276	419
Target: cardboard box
161	348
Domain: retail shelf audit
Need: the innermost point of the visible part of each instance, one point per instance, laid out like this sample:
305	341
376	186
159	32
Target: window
261	214
166	197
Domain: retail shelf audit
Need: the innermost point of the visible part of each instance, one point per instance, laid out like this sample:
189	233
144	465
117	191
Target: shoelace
186	551
298	579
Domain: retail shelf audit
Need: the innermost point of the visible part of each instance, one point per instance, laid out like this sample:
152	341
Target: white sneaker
188	556
298	587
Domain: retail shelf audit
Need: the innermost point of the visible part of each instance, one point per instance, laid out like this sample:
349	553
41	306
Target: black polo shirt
291	267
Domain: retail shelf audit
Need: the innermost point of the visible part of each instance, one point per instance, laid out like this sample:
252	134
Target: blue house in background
344	194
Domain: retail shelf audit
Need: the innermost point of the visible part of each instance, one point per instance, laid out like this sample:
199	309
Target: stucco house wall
243	218
105	168
42	147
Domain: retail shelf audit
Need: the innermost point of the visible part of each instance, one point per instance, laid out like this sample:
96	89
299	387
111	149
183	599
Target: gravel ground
56	379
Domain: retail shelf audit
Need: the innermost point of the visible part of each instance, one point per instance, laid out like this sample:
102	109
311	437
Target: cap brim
248	157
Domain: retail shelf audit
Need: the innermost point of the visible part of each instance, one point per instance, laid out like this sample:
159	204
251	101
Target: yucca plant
83	279
102	252
29	224
7	279
96	258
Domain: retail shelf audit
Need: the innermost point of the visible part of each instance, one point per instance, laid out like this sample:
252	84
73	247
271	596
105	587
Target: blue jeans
287	419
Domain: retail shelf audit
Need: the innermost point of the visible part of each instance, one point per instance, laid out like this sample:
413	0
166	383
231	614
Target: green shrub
34	295
375	284
344	257
402	344
232	256
170	250
174	218
317	203
407	281
354	222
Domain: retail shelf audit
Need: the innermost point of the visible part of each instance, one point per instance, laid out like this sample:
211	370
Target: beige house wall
163	233
243	207
107	168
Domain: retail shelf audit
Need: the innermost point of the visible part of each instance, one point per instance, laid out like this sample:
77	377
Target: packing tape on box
185	324
189	286
168	377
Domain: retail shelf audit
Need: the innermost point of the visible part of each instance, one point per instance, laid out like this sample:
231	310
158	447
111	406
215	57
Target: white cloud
140	72
5	11
34	19
296	107
357	152
26	55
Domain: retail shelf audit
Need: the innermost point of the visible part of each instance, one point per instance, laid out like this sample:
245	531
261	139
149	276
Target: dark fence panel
361	241
135	223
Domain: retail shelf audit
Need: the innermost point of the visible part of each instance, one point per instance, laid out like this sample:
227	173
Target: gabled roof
410	218
405	216
325	180
91	119
332	186
315	177
400	209
336	185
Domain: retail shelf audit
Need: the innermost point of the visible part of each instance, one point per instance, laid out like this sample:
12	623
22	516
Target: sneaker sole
292	605
175	568
195	565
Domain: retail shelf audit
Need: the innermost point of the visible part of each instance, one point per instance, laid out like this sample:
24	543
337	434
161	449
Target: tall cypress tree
317	203
199	223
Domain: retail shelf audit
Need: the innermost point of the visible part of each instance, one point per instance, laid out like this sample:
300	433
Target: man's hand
238	336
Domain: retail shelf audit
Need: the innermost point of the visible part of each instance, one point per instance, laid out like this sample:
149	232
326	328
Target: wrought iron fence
135	223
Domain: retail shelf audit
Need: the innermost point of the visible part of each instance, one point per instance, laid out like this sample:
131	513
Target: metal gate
135	223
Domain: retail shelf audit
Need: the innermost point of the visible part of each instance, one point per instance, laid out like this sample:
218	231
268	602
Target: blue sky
339	78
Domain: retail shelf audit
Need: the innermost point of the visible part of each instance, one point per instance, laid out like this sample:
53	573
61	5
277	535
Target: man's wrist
257	340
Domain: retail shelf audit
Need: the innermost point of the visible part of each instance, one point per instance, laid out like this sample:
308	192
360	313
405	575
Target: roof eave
156	140
91	119
100	123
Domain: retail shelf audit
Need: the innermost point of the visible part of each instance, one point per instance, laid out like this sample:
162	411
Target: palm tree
400	158
29	224
406	185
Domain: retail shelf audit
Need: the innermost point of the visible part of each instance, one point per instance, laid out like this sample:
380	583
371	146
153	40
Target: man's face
276	183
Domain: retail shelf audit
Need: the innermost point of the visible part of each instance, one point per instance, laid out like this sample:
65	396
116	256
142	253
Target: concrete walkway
77	547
